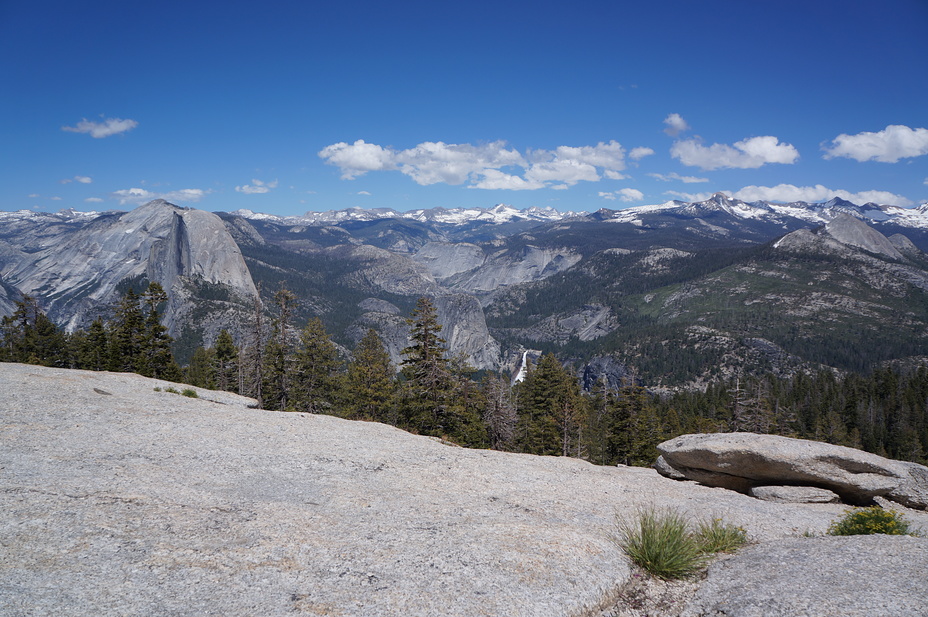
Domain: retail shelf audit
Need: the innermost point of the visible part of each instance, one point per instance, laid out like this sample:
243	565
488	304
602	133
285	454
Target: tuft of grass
872	520
660	542
172	390
190	393
716	536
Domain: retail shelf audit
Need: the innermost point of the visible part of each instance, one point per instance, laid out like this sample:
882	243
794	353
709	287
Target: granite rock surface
118	499
742	461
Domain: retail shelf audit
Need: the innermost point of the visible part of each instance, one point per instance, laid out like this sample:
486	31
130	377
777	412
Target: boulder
742	461
865	576
794	494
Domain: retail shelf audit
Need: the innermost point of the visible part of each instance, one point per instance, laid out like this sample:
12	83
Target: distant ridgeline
676	295
433	394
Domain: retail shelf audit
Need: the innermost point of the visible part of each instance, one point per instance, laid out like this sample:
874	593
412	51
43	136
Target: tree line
134	340
302	370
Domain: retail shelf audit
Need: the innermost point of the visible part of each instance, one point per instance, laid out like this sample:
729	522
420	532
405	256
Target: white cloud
614	175
887	146
55	198
818	193
98	130
358	158
256	187
33	195
561	171
675	125
675	176
434	162
83	179
639	153
93	200
495	179
140	196
486	166
626	195
746	154
607	155
689	196
363	193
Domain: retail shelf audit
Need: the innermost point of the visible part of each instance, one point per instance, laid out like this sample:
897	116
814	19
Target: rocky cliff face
464	329
850	231
632	284
76	269
504	268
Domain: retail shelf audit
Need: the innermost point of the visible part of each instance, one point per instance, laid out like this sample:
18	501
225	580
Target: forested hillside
299	369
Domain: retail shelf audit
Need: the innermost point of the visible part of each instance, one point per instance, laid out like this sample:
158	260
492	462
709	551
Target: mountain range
670	294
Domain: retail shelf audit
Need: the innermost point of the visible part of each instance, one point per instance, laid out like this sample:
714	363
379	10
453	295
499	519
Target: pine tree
278	354
644	426
93	352
465	424
605	426
201	370
428	389
551	412
156	358
225	362
314	366
31	337
126	334
499	412
369	382
251	362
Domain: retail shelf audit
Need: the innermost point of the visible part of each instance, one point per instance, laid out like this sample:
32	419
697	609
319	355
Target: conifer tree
251	362
369	382
278	354
93	351
31	337
126	334
156	358
550	410
499	412
314	378
465	410
644	426
201	371
428	389
225	362
605	425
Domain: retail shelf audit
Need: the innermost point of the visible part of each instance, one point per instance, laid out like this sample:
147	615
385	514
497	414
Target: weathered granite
741	461
794	494
851	576
135	502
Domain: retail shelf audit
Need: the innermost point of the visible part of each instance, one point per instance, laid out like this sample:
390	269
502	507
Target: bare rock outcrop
864	577
76	270
849	230
121	500
794	494
742	461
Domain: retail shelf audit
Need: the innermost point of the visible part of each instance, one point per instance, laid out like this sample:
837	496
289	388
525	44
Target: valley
729	287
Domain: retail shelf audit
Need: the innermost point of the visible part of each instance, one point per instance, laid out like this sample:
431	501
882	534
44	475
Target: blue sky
288	107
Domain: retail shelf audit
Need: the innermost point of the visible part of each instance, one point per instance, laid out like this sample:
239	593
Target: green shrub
660	542
172	390
715	536
870	520
190	393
